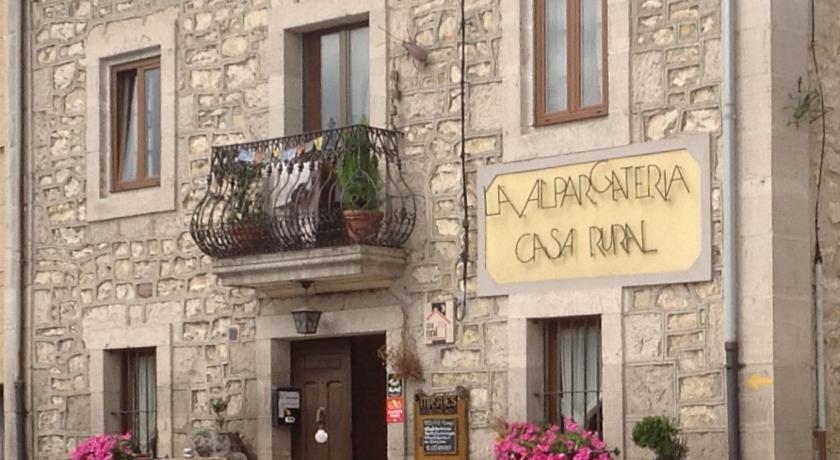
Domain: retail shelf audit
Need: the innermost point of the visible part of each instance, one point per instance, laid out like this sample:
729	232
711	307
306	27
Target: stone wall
146	270
828	58
673	345
429	114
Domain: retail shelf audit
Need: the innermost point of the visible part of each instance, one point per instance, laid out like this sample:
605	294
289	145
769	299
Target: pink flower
104	447
528	441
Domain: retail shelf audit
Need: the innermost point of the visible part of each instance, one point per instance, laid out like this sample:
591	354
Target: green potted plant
360	185
246	214
219	442
661	436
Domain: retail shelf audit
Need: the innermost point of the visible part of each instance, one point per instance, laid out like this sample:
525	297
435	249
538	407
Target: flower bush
528	441
105	447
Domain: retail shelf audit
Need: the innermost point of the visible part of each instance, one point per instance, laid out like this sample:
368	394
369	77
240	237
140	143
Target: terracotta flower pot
248	236
362	224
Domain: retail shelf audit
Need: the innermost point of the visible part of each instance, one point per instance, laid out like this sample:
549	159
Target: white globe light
321	436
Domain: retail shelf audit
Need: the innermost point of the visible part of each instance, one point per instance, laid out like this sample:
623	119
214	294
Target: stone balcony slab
332	269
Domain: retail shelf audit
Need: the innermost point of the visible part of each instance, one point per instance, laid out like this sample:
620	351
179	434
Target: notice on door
441	425
439	436
634	215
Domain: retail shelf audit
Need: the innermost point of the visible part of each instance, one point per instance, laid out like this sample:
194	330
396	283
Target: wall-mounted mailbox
287	404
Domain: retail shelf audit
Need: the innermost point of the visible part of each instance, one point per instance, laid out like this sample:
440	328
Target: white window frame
116	43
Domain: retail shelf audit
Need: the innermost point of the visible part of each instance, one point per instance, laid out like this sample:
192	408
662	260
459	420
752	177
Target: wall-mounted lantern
306	318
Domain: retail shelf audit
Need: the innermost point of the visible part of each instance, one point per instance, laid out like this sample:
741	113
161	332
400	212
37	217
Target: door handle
321	435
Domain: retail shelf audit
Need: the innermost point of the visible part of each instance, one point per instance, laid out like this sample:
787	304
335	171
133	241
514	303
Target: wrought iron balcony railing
328	188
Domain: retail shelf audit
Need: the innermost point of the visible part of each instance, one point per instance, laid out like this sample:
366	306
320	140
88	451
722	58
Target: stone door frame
273	367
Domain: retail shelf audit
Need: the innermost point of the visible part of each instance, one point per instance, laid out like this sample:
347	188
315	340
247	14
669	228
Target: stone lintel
334	269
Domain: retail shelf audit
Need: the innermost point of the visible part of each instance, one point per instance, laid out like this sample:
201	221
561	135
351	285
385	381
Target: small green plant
246	197
358	171
219	407
661	436
807	107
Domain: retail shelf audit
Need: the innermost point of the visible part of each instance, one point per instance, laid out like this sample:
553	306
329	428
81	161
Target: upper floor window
138	402
570	60
135	124
336	70
573	371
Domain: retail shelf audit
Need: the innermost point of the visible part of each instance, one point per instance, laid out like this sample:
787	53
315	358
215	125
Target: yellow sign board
630	219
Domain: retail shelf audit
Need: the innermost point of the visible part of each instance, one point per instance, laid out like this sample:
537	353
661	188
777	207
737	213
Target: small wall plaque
394	409
441	426
439	324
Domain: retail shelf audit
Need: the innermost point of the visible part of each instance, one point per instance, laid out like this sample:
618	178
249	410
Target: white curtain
580	371
128	167
591	53
555	55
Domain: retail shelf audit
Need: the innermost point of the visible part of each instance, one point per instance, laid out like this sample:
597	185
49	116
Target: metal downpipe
13	376
730	238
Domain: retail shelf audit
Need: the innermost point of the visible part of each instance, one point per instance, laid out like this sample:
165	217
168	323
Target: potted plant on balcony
246	215
360	184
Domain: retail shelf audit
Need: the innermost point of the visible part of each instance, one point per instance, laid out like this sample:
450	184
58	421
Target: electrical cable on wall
820	93
461	310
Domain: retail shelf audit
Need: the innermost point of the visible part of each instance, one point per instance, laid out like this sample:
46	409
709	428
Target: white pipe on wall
14	417
730	236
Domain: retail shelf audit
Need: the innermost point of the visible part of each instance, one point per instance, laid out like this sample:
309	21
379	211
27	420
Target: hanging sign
633	215
394	409
441	425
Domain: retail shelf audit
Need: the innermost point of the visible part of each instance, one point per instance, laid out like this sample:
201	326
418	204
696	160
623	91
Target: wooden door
321	369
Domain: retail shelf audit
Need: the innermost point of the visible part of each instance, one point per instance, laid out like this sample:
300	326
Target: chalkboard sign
439	436
441	425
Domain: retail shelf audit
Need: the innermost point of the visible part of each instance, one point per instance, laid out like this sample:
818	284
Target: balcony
330	207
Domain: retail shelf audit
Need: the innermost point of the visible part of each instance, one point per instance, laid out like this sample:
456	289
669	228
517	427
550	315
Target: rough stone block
702	416
650	390
700	387
643	337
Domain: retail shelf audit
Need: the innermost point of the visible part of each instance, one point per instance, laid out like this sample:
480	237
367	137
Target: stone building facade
112	271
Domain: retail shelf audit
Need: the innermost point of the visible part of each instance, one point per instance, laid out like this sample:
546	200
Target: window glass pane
566	343
127	118
330	81
555	55
578	385
593	378
145	402
359	97
591	59
153	122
